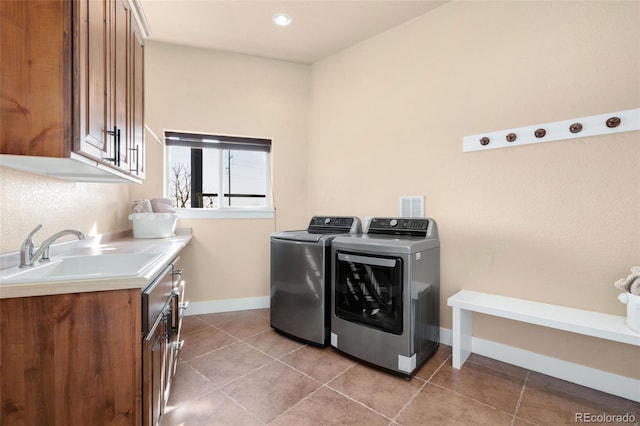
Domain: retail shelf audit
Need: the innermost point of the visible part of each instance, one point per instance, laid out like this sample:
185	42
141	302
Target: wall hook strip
601	124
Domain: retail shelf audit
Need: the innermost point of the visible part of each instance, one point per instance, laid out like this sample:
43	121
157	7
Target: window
217	174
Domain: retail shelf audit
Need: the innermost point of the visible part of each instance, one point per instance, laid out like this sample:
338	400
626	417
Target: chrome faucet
28	257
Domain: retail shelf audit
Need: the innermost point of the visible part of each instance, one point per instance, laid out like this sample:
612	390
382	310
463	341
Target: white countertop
166	250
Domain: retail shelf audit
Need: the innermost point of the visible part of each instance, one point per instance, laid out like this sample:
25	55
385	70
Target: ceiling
320	27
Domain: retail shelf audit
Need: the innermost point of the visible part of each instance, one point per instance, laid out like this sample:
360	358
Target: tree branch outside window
180	184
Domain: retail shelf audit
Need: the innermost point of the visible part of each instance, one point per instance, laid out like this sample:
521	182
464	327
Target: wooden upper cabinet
121	82
137	143
72	86
36	77
94	89
108	87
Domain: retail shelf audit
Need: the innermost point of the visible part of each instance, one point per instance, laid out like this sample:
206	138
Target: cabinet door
154	365
121	34
137	147
35	78
71	359
95	130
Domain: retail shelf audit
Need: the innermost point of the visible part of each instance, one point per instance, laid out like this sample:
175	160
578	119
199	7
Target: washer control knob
327	221
393	223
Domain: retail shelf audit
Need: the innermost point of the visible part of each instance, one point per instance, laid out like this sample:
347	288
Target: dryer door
368	290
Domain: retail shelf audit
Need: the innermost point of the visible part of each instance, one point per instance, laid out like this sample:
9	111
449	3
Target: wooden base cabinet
96	358
71	359
72	88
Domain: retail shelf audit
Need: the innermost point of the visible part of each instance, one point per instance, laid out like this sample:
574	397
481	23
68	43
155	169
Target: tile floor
235	370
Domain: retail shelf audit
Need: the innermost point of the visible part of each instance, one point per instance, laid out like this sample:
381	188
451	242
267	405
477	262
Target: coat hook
511	137
575	128
613	122
540	133
484	141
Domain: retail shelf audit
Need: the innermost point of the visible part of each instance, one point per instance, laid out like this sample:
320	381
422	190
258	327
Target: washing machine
301	278
385	296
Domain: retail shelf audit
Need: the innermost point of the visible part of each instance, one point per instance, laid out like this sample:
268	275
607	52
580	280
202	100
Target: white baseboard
604	381
227	305
622	386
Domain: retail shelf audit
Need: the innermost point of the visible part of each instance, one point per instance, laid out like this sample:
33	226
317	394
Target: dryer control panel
399	226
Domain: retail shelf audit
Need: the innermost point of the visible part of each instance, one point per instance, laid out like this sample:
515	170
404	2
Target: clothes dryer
385	298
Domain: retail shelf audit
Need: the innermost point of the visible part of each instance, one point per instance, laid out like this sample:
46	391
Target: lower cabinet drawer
155	297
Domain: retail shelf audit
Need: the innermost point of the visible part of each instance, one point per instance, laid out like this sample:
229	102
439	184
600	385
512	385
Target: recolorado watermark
605	418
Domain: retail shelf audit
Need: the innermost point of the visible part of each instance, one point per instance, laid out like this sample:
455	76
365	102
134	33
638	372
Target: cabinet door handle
177	274
137	150
117	156
175	313
116	145
169	332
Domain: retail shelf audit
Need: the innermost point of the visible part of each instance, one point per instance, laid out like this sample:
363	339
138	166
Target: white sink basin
80	267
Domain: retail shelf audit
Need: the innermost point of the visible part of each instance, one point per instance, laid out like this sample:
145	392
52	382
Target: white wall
27	200
556	222
206	91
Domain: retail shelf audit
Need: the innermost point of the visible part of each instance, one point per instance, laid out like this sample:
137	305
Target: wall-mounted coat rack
615	122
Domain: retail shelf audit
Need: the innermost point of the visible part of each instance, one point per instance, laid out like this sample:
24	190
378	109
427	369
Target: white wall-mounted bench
465	302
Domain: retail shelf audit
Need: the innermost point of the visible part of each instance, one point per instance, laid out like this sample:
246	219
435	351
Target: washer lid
297	236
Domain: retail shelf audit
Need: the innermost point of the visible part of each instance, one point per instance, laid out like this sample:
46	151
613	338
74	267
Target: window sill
225	214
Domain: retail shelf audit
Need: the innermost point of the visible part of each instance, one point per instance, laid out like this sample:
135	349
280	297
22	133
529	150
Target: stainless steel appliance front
385	294
300	278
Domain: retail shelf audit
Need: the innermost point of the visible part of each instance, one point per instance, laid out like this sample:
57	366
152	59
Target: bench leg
462	329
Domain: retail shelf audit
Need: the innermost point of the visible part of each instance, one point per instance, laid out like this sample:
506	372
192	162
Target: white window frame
222	212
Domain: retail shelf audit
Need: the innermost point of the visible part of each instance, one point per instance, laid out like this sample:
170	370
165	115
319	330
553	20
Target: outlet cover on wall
412	206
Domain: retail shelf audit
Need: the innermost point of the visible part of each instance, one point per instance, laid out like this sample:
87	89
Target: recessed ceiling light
282	19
